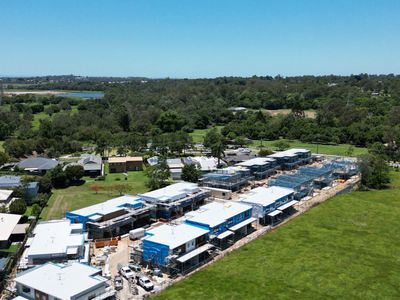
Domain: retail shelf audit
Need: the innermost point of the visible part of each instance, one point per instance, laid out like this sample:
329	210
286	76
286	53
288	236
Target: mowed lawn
345	248
42	115
37	118
199	134
340	149
310	113
75	197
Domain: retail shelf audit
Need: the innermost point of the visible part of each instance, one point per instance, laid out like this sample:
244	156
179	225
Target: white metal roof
257	161
174	235
289	152
216	213
5	195
291	203
299	150
282	154
206	163
62	281
242	224
224	235
217	189
174	163
20	228
108	206
265	196
124	159
274	213
231	169
194	253
54	237
172	192
7	225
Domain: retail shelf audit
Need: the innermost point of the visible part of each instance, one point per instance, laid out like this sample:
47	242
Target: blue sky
203	38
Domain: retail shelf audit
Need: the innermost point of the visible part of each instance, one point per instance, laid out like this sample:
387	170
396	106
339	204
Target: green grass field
345	248
75	197
199	134
36	119
11	249
42	115
1	145
340	149
310	113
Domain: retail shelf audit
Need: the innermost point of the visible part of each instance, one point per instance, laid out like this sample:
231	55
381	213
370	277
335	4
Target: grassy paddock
199	134
37	118
345	248
310	113
75	197
340	149
42	115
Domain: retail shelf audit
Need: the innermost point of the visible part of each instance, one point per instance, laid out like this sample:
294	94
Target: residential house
230	178
92	164
67	282
5	197
37	165
236	156
224	220
292	158
302	184
260	167
123	164
175	166
176	248
269	202
55	241
176	199
8	223
12	182
204	164
113	217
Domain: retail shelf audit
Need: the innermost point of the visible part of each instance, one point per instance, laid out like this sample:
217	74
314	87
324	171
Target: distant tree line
359	109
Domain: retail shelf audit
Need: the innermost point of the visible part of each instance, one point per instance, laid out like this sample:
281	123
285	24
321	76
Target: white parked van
136	233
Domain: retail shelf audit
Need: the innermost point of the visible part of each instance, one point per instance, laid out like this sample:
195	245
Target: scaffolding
303	185
345	168
230	178
181	206
323	176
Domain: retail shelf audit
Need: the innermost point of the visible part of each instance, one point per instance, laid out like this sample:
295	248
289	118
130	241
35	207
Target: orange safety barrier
100	243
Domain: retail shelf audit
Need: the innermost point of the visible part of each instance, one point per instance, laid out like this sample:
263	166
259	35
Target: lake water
83	95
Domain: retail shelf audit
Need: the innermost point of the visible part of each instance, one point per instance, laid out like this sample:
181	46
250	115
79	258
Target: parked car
157	272
118	283
145	283
127	272
134	267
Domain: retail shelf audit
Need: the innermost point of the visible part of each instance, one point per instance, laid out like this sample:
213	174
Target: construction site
152	240
170	250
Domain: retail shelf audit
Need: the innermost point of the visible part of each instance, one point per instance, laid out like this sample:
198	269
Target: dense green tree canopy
359	109
18	207
191	173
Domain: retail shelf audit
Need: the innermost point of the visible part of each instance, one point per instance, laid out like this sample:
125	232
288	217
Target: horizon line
201	77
